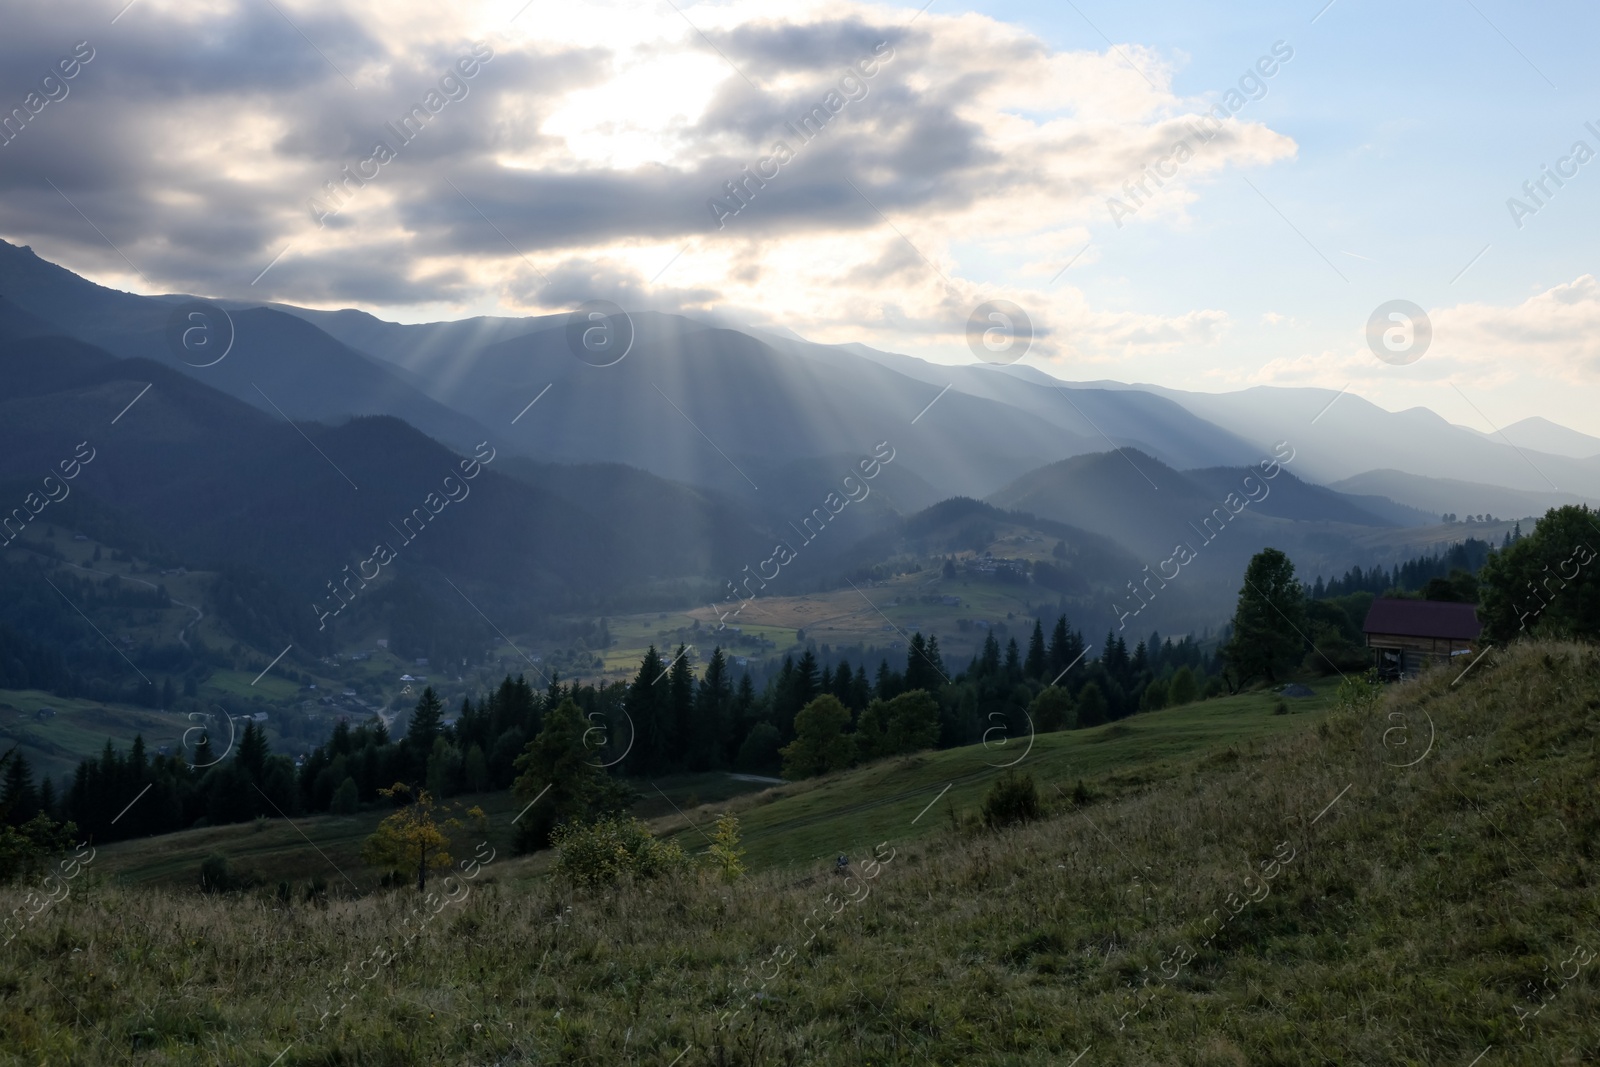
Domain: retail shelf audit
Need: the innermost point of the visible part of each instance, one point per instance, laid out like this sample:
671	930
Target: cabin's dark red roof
1424	618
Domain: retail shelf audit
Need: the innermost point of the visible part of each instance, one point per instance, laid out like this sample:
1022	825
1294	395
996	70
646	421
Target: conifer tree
649	709
711	714
1034	665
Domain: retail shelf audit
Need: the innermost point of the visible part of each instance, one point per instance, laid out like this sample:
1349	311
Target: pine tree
842	686
204	755
860	688
920	673
1035	664
1013	668
19	800
742	717
649	709
888	685
711	714
424	728
47	796
680	694
989	660
252	755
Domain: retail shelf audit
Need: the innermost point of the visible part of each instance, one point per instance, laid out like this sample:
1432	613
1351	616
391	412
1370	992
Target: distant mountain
278	363
705	405
1149	509
1339	437
1099	417
1542	435
220	483
728	399
1440	495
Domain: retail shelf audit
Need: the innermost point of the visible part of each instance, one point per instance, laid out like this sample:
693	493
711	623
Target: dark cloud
195	142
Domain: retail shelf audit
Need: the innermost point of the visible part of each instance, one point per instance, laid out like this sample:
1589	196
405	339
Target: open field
79	729
794	825
1325	895
329	846
802	824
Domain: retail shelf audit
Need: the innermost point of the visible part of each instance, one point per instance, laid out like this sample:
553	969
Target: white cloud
591	144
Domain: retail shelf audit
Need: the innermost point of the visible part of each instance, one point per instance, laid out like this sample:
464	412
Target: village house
1407	635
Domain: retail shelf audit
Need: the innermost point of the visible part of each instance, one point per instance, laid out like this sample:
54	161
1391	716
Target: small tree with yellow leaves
415	835
726	855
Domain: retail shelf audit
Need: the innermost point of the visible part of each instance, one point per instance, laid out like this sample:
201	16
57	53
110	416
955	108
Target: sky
1206	198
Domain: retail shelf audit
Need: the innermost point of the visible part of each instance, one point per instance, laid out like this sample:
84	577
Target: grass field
329	846
794	825
1336	893
804	823
79	729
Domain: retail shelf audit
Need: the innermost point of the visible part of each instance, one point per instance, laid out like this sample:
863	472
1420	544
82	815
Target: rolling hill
1297	898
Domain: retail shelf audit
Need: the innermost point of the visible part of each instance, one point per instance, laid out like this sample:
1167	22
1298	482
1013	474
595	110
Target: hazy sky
1362	153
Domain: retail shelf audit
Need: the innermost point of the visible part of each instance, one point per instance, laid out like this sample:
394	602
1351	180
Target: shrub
611	849
726	855
216	875
1281	707
1053	710
1182	689
759	753
1358	692
1012	799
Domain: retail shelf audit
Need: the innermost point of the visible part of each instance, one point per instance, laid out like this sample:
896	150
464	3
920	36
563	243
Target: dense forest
672	717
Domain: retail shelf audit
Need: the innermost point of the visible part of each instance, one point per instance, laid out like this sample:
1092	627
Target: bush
345	798
1053	710
1013	799
607	851
726	855
1358	692
216	875
1281	707
759	753
1182	689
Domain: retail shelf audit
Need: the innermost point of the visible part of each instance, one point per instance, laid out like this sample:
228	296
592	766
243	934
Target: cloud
585	155
1553	335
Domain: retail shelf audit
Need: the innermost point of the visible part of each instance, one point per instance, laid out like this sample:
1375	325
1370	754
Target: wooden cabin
1407	635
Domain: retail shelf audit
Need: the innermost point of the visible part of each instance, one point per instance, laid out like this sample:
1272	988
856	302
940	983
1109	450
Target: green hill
1408	884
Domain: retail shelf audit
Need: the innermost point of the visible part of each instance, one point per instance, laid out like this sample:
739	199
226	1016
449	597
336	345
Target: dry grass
1418	913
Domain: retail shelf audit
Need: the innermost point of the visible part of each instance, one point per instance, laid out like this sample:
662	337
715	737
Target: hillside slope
1409	884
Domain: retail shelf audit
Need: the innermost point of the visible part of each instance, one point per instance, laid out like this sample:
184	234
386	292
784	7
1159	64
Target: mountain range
655	479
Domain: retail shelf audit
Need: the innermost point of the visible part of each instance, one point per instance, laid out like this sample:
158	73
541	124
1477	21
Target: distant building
383	642
422	661
1406	635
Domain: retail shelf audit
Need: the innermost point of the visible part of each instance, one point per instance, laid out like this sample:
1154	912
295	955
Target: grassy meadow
1410	884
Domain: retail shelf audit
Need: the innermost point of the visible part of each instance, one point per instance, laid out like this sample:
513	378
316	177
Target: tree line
672	717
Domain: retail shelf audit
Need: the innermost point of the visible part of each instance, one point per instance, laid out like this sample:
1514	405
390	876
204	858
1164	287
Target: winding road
183	634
